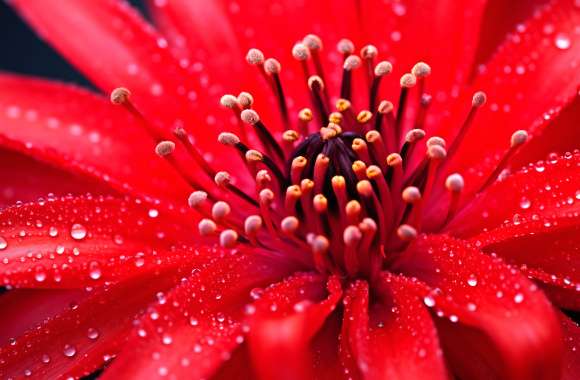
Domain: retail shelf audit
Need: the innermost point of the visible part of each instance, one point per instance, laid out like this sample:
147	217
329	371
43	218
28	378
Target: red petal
495	322
501	18
193	329
532	73
83	337
283	323
557	132
545	189
398	340
80	132
25	179
114	46
77	242
27	308
572	352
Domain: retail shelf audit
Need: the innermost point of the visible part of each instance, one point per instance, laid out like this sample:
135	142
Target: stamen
229	101
270	144
289	225
316	86
368	54
406	233
385	111
206	227
252	226
296	169
266	197
407	81
381	69
228	238
351	237
320	245
375	174
345	108
412	137
378	147
518	139
454	184
193	152
345	47
121	96
421	70
273	68
223	179
359	146
196	199
350	63
353	211
220	210
289	138
165	148
246	100
255	57
304	117
293	194
314	43
320	168
412	213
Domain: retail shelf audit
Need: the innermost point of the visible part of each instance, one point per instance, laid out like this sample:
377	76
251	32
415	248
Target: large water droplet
69	351
92	333
472	281
519	298
94	270
3	243
78	231
525	203
562	41
429	301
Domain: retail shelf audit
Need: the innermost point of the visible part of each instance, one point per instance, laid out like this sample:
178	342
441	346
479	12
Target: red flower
311	248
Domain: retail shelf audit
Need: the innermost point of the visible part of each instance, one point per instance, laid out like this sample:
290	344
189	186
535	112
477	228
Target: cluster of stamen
335	189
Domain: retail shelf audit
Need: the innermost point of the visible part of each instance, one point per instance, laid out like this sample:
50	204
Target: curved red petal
395	337
285	319
78	131
499	19
115	47
544	189
76	242
558	132
532	73
507	323
194	328
83	337
25	179
571	332
26	308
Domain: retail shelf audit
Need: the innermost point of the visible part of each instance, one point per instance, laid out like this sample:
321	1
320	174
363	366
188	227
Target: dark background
21	51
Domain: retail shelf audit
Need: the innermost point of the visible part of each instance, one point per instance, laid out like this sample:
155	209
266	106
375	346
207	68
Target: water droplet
45	359
167	339
472	281
40	274
3	243
562	41
153	213
525	203
78	231
193	321
519	298
94	270
69	351
429	301
52	231
118	239
92	333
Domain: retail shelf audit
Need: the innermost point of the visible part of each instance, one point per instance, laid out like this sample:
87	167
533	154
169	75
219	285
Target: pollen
165	148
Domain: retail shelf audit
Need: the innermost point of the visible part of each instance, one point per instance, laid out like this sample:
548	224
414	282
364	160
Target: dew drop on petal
92	333
69	351
153	213
562	41
525	203
45	359
472	281
429	301
3	243
78	231
519	298
94	270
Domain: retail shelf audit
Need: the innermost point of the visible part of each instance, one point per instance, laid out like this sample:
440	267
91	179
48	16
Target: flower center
337	190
